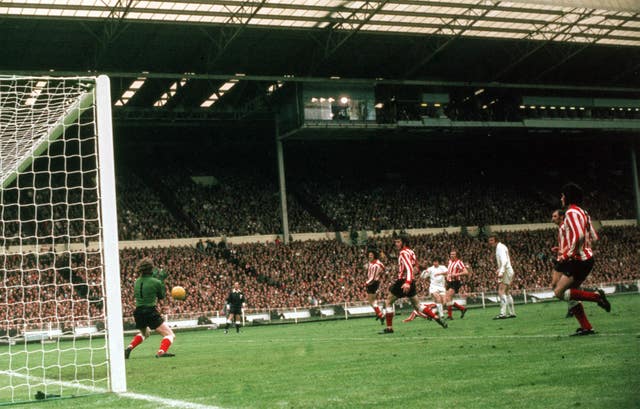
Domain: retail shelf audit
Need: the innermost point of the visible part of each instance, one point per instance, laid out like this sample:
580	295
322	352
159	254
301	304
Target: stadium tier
303	274
333	187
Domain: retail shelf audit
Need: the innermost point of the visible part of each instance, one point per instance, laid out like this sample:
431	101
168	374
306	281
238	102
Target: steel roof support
348	22
114	26
451	27
530	48
230	30
580	47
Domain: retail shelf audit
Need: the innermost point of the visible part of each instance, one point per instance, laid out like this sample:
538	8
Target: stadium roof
613	22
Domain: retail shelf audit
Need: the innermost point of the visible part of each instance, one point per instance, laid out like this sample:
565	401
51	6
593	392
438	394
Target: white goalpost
60	305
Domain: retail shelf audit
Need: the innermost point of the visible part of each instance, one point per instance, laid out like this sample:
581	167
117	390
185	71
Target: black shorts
235	310
373	287
396	289
577	269
147	317
453	285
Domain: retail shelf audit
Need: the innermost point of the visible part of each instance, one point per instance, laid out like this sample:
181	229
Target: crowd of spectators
65	208
238	203
330	187
312	273
43	207
482	186
65	288
366	189
141	213
389	205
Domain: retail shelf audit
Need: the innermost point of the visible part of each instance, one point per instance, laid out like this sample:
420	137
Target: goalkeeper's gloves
228	307
160	274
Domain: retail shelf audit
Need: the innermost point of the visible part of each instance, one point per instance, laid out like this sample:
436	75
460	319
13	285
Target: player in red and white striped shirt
455	270
575	259
375	268
405	286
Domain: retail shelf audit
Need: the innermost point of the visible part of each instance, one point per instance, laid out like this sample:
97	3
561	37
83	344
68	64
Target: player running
455	270
235	303
575	259
147	291
436	274
505	277
405	286
375	268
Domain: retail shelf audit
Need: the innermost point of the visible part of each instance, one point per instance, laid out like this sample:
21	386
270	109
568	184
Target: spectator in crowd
39	289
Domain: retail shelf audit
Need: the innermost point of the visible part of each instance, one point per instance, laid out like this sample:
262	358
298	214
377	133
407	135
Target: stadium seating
314	273
327	192
303	274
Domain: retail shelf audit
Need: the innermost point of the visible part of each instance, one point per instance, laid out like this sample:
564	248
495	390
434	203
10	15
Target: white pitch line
172	403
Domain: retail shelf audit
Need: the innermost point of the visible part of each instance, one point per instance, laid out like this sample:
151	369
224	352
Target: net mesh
52	309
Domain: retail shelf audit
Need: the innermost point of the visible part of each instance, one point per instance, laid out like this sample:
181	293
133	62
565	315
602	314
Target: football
178	293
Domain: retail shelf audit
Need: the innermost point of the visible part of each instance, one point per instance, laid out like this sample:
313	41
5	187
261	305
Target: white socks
510	307
503	305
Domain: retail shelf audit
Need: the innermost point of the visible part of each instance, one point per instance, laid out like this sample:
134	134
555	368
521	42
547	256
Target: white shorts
507	277
437	289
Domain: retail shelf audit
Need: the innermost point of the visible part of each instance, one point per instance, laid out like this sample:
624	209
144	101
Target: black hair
573	194
402	237
560	212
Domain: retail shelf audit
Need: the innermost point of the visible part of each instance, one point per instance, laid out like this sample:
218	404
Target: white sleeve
503	258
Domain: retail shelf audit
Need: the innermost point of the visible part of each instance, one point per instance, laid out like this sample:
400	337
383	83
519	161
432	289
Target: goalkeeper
149	288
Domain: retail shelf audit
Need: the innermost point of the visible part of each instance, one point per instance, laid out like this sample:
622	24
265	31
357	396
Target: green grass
528	362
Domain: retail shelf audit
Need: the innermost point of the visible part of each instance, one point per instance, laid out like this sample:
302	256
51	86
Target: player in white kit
505	277
436	275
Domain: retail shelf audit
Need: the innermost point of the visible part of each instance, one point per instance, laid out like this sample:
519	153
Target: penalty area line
171	403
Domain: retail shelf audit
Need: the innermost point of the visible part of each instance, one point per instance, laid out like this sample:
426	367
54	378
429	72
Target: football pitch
527	362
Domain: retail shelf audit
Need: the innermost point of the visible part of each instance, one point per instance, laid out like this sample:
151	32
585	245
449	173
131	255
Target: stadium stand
142	215
331	189
314	273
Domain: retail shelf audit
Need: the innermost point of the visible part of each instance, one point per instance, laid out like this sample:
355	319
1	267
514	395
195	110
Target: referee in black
235	303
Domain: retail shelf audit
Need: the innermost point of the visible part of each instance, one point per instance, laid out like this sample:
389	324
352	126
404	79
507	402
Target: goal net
60	312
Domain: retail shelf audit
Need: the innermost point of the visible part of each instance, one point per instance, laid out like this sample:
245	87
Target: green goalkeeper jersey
148	290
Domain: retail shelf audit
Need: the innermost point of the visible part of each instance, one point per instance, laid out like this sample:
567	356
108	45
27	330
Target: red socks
389	318
578	312
137	340
450	311
164	345
458	306
378	312
427	311
581	295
